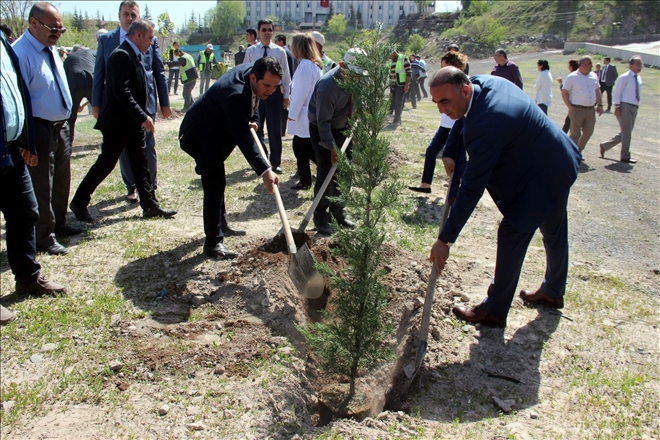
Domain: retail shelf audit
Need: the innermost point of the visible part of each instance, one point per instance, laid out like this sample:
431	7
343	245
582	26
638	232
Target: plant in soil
349	339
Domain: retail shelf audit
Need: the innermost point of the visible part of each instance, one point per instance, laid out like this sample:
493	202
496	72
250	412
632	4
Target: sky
179	11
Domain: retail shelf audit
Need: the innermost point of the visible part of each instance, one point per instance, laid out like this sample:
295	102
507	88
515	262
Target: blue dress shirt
40	79
13	107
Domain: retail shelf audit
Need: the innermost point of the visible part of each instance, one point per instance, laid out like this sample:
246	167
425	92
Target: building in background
313	13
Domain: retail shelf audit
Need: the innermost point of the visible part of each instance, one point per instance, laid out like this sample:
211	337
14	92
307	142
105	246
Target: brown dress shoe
40	286
477	315
6	316
539	297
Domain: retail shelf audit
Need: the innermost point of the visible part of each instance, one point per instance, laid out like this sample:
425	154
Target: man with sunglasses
271	109
45	79
129	11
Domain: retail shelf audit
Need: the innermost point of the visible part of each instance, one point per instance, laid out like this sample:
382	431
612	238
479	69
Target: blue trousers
19	207
152	160
512	246
270	110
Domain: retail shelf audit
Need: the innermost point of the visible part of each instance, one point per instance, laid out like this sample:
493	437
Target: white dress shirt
306	76
543	88
624	89
256	51
581	88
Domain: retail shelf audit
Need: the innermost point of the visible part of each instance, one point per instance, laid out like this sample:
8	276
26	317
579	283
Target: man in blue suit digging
528	166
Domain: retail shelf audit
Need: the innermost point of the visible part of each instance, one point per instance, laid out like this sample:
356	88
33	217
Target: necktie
265	51
637	89
603	76
66	99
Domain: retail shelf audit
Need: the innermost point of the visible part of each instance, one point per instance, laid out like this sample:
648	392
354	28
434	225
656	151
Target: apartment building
310	13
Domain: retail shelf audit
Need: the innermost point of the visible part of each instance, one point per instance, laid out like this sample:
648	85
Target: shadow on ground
495	369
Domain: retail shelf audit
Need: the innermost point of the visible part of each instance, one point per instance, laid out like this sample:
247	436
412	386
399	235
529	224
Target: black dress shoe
158	212
277	169
67	229
539	297
81	213
53	249
219	251
476	315
629	160
230	231
419	189
300	187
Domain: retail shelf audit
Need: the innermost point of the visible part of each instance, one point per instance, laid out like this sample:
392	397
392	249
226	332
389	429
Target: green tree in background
337	25
415	43
192	24
77	20
147	14
225	18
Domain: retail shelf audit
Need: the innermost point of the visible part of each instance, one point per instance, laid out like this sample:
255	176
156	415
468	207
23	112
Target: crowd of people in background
272	85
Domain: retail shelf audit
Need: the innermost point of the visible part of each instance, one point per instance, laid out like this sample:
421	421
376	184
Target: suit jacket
125	96
610	75
79	68
26	139
515	151
218	121
153	65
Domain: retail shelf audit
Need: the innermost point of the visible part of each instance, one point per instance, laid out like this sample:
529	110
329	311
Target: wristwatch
446	243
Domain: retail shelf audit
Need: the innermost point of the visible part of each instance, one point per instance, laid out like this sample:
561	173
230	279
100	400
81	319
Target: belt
51	123
632	105
582	106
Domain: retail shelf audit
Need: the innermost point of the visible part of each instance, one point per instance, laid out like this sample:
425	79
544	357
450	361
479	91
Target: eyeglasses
52	30
267	30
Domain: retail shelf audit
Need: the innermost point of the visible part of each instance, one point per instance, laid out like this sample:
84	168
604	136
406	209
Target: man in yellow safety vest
400	74
188	77
206	64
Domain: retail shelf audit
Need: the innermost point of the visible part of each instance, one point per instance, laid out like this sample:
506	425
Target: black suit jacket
218	121
125	94
79	68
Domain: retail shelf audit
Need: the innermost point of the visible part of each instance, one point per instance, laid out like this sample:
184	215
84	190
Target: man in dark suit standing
79	68
124	120
608	76
218	121
157	83
528	166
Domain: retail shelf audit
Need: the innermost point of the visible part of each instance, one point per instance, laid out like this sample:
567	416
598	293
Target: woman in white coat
307	74
543	86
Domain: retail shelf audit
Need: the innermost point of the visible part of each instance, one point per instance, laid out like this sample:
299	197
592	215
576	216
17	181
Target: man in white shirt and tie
271	108
627	94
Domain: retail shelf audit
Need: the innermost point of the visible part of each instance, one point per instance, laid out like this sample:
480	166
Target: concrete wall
614	52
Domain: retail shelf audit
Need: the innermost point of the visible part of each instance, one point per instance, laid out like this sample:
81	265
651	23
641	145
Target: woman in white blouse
543	86
307	74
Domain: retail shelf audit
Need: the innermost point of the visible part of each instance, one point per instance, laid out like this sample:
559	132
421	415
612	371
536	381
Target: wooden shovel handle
291	244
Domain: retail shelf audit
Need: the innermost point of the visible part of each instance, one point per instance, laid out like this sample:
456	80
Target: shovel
305	277
412	369
305	221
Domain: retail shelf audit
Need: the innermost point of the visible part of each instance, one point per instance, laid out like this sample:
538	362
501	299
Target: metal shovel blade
305	277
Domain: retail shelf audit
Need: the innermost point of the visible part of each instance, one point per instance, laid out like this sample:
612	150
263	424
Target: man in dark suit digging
215	124
528	166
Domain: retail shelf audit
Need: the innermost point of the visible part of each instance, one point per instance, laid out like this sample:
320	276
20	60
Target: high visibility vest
327	64
186	70
202	58
399	70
